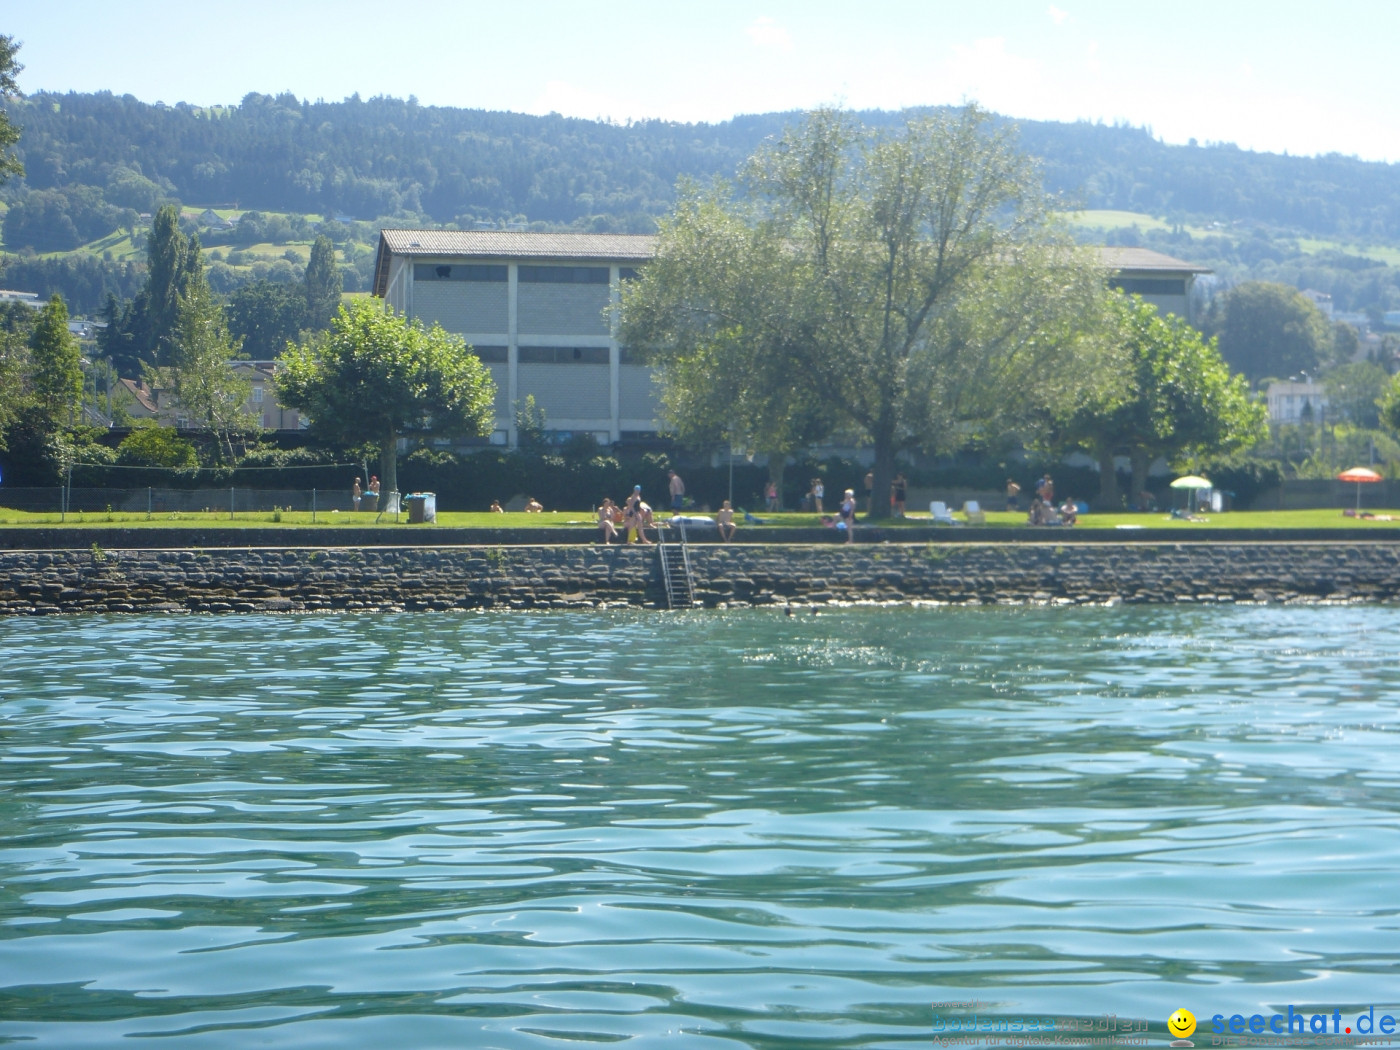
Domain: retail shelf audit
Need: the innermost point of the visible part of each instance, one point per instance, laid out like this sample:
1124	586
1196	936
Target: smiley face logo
1182	1023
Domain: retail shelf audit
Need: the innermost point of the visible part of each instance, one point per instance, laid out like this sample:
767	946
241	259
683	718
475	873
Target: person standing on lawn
677	492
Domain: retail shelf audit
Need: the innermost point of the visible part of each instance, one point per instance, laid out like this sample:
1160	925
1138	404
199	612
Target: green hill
73	224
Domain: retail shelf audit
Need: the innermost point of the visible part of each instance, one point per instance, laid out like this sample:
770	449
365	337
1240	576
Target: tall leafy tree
201	375
56	372
1269	330
720	310
377	376
118	341
1179	400
16	323
9	88
267	317
167	263
935	293
1354	392
322	283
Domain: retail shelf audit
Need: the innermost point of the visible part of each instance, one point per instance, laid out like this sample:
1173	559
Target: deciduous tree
201	375
1179	400
322	283
376	376
9	88
933	292
721	313
56	371
1354	392
267	317
1268	330
167	260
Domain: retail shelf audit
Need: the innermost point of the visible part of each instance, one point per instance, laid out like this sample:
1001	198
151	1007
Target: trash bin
369	501
422	507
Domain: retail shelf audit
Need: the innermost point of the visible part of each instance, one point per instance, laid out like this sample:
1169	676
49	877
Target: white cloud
765	32
1057	16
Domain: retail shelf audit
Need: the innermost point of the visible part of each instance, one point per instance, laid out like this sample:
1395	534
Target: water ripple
727	830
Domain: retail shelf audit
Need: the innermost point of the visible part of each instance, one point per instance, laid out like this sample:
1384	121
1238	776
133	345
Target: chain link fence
162	502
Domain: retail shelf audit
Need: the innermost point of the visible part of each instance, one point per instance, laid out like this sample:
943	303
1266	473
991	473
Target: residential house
1293	402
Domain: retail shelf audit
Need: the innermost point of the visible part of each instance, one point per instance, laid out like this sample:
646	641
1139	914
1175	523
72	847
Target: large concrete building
1161	280
534	306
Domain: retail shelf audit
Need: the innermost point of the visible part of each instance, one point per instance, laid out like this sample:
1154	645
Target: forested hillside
97	162
383	156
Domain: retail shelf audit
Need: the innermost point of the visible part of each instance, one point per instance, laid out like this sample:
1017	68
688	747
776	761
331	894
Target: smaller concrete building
1293	403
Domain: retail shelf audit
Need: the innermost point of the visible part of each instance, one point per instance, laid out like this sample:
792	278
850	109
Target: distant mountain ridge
384	157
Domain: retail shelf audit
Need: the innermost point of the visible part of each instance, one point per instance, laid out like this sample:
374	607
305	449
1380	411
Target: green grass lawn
1381	253
1269	519
1108	219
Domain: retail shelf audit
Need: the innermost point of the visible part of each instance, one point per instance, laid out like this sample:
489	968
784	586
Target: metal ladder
675	570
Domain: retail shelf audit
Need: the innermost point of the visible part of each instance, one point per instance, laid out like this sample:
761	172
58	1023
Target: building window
628	273
563	355
491	355
457	272
257	395
563	274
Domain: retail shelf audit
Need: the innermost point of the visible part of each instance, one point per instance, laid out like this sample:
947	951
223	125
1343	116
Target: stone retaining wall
306	580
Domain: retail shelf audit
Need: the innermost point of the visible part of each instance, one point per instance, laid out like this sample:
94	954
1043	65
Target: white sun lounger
941	514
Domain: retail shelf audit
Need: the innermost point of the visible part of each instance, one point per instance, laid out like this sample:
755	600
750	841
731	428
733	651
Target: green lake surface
710	830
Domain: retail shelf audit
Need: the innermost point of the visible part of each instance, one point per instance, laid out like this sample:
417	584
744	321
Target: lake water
721	829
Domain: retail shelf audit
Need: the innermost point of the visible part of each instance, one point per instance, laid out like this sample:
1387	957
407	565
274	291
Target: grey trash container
422	507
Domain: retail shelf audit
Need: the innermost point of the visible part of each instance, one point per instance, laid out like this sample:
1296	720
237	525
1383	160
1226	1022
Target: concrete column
512	352
614	358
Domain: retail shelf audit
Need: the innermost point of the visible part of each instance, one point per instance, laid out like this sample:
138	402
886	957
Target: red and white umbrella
1362	476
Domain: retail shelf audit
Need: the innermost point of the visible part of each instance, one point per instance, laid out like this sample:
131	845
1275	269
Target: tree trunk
388	466
884	475
1142	463
1110	499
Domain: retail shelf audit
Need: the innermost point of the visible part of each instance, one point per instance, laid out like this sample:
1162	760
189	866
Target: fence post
313	506
149	501
230	503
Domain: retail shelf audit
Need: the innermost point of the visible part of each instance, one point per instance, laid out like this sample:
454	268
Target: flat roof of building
1119	258
631	247
508	244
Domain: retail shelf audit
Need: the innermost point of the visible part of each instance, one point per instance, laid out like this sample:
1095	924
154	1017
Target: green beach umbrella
1193	482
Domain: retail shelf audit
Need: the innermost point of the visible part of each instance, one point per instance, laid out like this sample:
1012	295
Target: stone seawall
309	579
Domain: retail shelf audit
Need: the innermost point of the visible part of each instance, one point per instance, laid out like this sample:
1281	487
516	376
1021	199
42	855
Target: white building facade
536	308
1293	403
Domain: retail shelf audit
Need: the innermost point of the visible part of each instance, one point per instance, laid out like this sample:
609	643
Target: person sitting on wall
725	520
496	507
1069	512
606	529
534	506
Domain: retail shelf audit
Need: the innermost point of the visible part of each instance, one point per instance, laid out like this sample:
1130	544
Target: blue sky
1304	78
